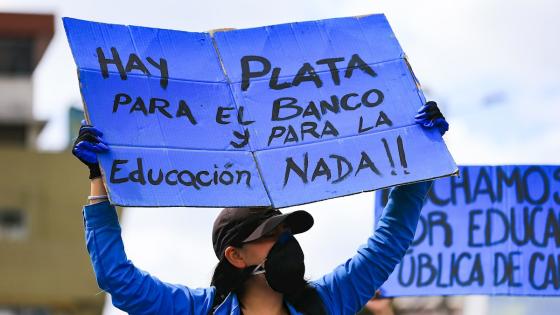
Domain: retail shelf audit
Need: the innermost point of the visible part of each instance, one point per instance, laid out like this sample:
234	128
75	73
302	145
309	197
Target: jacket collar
231	306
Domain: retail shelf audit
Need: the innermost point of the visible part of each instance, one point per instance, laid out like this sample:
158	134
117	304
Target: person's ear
234	257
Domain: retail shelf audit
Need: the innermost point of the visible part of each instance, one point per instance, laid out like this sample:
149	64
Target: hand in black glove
429	116
86	147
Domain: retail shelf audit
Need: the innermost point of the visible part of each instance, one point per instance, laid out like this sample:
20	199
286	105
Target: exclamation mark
388	151
402	156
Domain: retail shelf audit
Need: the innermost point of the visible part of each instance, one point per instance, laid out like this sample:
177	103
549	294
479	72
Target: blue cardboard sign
270	116
495	230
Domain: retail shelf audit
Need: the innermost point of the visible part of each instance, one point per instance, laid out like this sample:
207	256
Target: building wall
17	97
43	261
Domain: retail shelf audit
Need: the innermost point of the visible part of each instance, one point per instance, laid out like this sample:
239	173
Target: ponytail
227	279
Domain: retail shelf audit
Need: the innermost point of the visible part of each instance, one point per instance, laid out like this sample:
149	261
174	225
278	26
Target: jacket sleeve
133	290
352	284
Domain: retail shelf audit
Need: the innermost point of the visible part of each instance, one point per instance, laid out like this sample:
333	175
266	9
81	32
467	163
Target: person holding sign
261	266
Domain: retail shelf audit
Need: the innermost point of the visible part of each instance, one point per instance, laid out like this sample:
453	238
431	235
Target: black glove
86	147
429	116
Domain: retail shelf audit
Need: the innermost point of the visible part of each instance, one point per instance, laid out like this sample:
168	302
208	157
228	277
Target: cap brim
298	221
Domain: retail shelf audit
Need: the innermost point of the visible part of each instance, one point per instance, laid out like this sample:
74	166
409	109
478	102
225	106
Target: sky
491	65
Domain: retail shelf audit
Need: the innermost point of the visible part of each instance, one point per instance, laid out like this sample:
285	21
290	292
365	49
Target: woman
260	269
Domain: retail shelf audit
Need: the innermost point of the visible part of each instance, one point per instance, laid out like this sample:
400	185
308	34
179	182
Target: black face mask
284	266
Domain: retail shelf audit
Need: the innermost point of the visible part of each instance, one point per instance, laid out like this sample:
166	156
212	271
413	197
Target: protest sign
493	230
270	116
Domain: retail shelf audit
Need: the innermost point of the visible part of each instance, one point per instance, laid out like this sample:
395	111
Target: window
12	135
16	55
12	223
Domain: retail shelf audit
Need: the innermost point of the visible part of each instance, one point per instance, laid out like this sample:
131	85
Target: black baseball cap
236	226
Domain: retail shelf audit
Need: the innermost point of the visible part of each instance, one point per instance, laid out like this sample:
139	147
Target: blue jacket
343	291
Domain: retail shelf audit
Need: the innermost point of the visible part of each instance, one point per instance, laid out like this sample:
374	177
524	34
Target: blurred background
491	65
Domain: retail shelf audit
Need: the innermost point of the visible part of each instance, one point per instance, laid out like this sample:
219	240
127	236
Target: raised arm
132	290
352	284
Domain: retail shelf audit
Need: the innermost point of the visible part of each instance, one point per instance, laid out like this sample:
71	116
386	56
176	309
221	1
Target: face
255	252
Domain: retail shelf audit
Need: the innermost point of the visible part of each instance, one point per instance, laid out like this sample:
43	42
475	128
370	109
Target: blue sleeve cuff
418	189
100	214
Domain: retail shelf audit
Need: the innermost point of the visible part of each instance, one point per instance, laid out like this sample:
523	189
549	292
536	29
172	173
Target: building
44	266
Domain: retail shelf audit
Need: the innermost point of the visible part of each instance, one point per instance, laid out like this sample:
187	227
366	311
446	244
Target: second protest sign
494	230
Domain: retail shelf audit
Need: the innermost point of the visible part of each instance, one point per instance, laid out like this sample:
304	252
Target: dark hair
227	278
